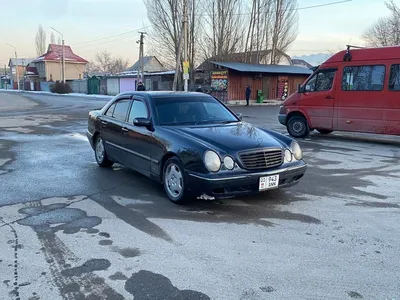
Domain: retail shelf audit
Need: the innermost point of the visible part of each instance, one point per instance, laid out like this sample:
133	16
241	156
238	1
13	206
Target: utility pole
140	72
63	54
178	58
5	75
16	62
185	50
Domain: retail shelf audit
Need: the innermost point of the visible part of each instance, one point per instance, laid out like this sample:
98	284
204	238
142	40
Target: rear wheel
174	181
324	131
100	153
297	127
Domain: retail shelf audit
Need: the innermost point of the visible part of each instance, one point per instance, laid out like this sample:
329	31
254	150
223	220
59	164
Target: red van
357	90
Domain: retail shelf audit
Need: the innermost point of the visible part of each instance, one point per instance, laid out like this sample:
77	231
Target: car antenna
347	56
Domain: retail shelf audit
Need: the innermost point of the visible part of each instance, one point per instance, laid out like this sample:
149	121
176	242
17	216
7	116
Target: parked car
192	144
355	90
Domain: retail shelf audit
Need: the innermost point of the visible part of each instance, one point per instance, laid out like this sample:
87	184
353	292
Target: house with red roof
49	65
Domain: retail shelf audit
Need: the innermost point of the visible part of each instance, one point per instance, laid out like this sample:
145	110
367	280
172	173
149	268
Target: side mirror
142	122
299	89
240	116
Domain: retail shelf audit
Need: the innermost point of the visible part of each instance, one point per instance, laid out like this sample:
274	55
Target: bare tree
285	28
105	63
52	38
385	31
40	41
166	17
223	34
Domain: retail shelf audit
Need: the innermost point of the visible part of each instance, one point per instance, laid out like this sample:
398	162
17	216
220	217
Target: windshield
192	110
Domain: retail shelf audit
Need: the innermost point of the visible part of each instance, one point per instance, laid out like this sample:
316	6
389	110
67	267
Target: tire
324	131
297	127
174	181
100	153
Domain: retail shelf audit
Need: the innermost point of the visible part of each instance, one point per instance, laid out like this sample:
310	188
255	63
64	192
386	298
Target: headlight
229	163
212	161
288	156
296	150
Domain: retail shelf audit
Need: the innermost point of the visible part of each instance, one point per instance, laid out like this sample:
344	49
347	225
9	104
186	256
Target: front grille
261	159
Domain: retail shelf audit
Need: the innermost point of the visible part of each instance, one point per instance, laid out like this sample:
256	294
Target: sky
86	24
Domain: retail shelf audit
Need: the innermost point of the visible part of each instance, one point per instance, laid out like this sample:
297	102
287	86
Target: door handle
124	130
104	122
328	97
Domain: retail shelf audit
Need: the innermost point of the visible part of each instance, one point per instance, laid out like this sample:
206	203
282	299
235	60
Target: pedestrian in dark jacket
140	86
248	93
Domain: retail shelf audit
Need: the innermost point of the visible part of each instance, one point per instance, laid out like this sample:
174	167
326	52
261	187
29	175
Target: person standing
140	86
248	93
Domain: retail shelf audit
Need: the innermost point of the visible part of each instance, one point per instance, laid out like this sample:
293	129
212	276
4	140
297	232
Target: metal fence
79	86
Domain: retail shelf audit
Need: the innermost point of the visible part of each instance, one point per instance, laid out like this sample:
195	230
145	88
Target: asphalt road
72	230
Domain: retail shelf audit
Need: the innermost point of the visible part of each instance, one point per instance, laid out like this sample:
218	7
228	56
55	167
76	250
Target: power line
293	9
109	37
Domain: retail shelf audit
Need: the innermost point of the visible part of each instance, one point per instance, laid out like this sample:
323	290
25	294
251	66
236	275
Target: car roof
160	94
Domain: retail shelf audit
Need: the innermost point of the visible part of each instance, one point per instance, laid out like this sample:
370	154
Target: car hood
231	137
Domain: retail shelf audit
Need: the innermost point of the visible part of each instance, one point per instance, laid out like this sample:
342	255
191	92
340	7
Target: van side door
318	98
362	104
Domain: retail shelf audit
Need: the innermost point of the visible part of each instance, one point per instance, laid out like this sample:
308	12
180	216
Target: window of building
121	109
322	81
138	110
394	80
363	78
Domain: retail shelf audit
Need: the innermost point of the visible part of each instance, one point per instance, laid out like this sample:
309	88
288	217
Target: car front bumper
219	186
282	119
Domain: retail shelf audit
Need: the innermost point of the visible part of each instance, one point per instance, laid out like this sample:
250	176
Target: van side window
322	81
363	78
394	80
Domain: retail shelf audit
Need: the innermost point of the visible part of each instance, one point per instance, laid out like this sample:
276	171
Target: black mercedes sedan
192	144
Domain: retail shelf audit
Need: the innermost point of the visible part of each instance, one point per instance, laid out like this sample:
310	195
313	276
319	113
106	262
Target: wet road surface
72	230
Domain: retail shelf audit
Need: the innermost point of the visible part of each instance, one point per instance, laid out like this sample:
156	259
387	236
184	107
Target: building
301	63
228	80
251	57
21	64
150	64
49	65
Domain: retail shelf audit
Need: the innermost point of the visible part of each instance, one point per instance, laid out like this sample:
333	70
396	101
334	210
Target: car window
363	78
394	81
121	109
212	109
192	110
138	110
322	81
110	110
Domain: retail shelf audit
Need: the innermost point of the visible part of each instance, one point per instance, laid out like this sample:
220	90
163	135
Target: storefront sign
219	80
283	87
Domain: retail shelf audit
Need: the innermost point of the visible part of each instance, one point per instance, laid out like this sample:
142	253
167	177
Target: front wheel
297	127
324	131
100	153
174	181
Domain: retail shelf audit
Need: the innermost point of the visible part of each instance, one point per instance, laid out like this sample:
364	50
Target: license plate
269	182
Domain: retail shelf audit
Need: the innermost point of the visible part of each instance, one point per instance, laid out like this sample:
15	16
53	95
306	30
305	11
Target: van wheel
324	131
297	127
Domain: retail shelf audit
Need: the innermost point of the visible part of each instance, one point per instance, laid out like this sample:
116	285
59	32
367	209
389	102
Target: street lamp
63	54
16	68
